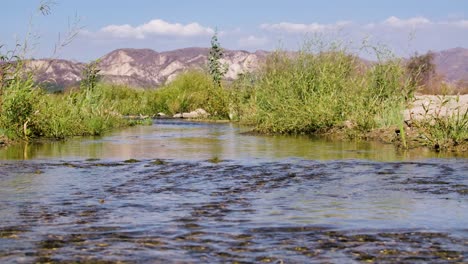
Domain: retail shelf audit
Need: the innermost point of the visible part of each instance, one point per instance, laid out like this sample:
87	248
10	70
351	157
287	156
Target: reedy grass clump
54	116
242	98
130	101
26	111
317	92
18	102
188	91
75	114
443	128
192	90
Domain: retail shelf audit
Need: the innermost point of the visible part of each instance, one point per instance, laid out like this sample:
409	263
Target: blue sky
405	26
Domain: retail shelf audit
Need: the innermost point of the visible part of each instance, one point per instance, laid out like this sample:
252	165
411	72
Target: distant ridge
147	68
144	67
453	64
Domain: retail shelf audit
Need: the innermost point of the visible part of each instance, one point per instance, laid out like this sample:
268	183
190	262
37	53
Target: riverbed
185	192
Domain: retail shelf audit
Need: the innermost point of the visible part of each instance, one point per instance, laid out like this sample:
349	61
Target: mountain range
147	68
143	68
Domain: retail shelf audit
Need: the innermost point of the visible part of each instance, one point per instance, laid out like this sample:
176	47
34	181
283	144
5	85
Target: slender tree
216	68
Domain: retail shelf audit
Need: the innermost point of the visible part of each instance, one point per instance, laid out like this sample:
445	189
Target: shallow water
150	194
176	139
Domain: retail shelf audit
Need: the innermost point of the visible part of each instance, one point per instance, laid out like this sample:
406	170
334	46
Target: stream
190	192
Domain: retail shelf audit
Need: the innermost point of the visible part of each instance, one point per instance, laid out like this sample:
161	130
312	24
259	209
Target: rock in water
197	114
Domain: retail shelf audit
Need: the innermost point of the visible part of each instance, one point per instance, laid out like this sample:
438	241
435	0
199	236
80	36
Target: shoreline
436	106
425	108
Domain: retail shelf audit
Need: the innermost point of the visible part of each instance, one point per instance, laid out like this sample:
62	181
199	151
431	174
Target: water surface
176	139
155	194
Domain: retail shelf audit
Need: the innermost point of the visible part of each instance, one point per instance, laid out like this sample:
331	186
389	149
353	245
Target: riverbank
434	121
439	122
330	92
426	106
423	109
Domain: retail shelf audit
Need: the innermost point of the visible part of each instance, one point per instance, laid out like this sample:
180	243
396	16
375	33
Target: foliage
443	128
192	90
216	68
422	74
188	91
90	76
26	111
73	114
317	92
242	98
18	106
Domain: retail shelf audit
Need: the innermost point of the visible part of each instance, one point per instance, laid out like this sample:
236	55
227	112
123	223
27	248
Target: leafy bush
192	90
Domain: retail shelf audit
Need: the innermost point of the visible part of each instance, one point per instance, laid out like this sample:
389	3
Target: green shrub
26	111
309	92
188	91
192	90
18	101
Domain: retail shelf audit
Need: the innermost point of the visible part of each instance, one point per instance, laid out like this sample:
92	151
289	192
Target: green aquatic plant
215	160
131	161
158	162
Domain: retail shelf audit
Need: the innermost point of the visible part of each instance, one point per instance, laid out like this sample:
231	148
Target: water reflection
195	141
149	194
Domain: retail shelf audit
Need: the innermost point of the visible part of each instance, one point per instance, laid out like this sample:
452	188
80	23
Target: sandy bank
436	105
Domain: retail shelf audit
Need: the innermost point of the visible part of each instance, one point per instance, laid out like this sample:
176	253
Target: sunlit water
154	194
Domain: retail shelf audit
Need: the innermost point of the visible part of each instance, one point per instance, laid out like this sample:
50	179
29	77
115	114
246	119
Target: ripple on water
296	211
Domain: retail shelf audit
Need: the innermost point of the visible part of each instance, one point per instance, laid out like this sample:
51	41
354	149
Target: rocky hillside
56	74
144	67
148	69
453	64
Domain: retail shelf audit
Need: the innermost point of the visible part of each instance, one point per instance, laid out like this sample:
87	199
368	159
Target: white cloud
304	28
461	23
370	26
123	31
157	27
415	22
84	32
410	22
252	41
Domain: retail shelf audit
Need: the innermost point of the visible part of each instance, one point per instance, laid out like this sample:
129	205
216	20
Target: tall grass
317	92
306	92
28	112
75	114
442	127
194	89
187	92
